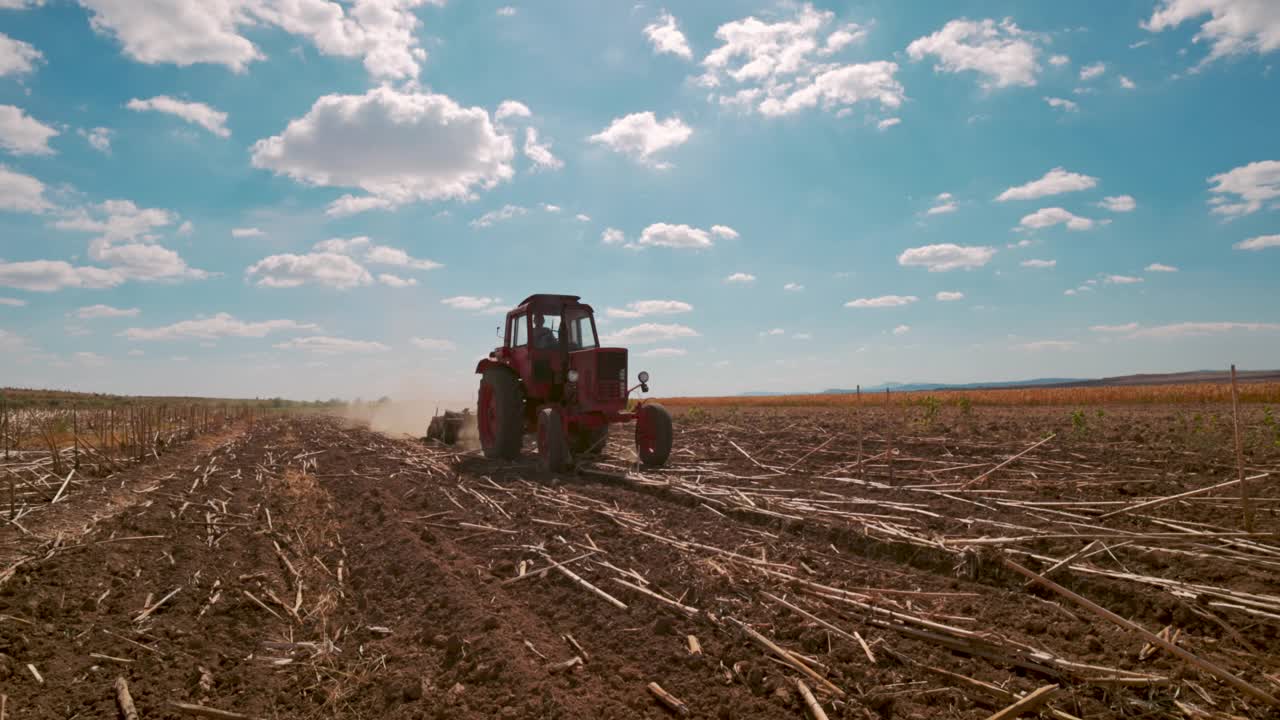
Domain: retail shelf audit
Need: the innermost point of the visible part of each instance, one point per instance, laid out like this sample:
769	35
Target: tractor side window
518	338
582	334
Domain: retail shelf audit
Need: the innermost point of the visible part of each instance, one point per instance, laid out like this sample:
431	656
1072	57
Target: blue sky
320	198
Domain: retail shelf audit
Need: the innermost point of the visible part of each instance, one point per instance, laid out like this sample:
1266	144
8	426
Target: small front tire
553	447
653	435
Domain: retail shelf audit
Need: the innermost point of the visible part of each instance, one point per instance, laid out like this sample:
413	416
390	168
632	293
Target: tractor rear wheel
553	447
653	434
501	415
589	440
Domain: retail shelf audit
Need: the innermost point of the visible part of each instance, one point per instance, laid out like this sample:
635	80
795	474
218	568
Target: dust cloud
408	411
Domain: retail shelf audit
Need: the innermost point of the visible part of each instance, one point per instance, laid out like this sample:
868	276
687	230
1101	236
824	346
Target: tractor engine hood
602	377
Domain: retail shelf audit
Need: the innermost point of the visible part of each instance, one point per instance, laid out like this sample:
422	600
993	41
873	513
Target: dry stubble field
300	567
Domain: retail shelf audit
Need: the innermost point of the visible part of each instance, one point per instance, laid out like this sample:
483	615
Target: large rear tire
500	408
553	446
589	441
653	435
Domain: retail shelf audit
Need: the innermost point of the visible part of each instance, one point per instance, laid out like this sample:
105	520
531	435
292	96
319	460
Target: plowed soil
302	567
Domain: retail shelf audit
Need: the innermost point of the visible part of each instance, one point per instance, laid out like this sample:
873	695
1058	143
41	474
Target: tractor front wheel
653	434
553	447
500	412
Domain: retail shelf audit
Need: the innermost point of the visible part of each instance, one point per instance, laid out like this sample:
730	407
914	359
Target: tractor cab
551	362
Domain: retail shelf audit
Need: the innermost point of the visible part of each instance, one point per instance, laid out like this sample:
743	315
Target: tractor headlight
573	376
644	377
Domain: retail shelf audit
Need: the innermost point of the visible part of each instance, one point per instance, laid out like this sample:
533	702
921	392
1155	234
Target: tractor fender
487	363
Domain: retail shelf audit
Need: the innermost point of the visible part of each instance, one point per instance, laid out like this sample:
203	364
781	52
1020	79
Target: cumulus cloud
943	203
1127	327
1002	53
675	236
665	36
664	352
433	344
1126	83
1089	72
783	67
219	326
1160	267
1062	104
322	268
511	109
887	123
947	256
504	213
99	138
506	11
196	113
724	231
1050	216
884	301
648	334
323	345
1054	182
51	275
396	281
641	136
21	193
902	330
793	287
1199	329
396	146
128	240
473	303
540	153
948	296
612	236
1120	279
385	255
93	312
248	232
772	333
740	278
1251	185
1258	243
21	134
1118	203
1059	60
185	32
642	308
1235	27
1039	264
17	57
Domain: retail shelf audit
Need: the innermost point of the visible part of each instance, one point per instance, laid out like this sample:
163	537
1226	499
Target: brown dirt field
323	570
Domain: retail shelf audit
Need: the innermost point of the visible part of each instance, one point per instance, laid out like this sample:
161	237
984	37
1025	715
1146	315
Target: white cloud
322	268
215	121
99	138
947	256
1118	203
185	32
396	281
1089	72
506	11
17	57
612	236
398	147
433	344
322	345
1236	26
674	236
511	109
664	352
1160	267
1048	345
1252	184
641	136
1050	216
802	336
780	68
1039	264
22	134
93	312
127	240
384	255
902	330
724	231
1126	83
1004	54
1127	327
775	332
884	301
665	36
1059	60
740	278
1054	182
51	275
642	308
218	326
21	193
582	217
1198	329
943	203
793	287
540	153
248	232
887	123
1120	279
1258	243
948	296
12	302
186	228
506	212
649	333
1062	104
469	302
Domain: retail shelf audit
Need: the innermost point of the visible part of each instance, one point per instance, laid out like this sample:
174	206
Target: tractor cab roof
548	304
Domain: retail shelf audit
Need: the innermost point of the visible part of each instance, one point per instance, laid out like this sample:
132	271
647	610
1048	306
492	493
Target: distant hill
1179	378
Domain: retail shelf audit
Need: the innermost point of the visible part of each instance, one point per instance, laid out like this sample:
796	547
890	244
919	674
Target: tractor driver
544	338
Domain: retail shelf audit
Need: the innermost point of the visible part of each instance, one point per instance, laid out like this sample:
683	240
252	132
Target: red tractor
550	376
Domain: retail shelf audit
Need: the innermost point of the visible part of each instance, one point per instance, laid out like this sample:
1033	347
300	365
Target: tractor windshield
582	331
